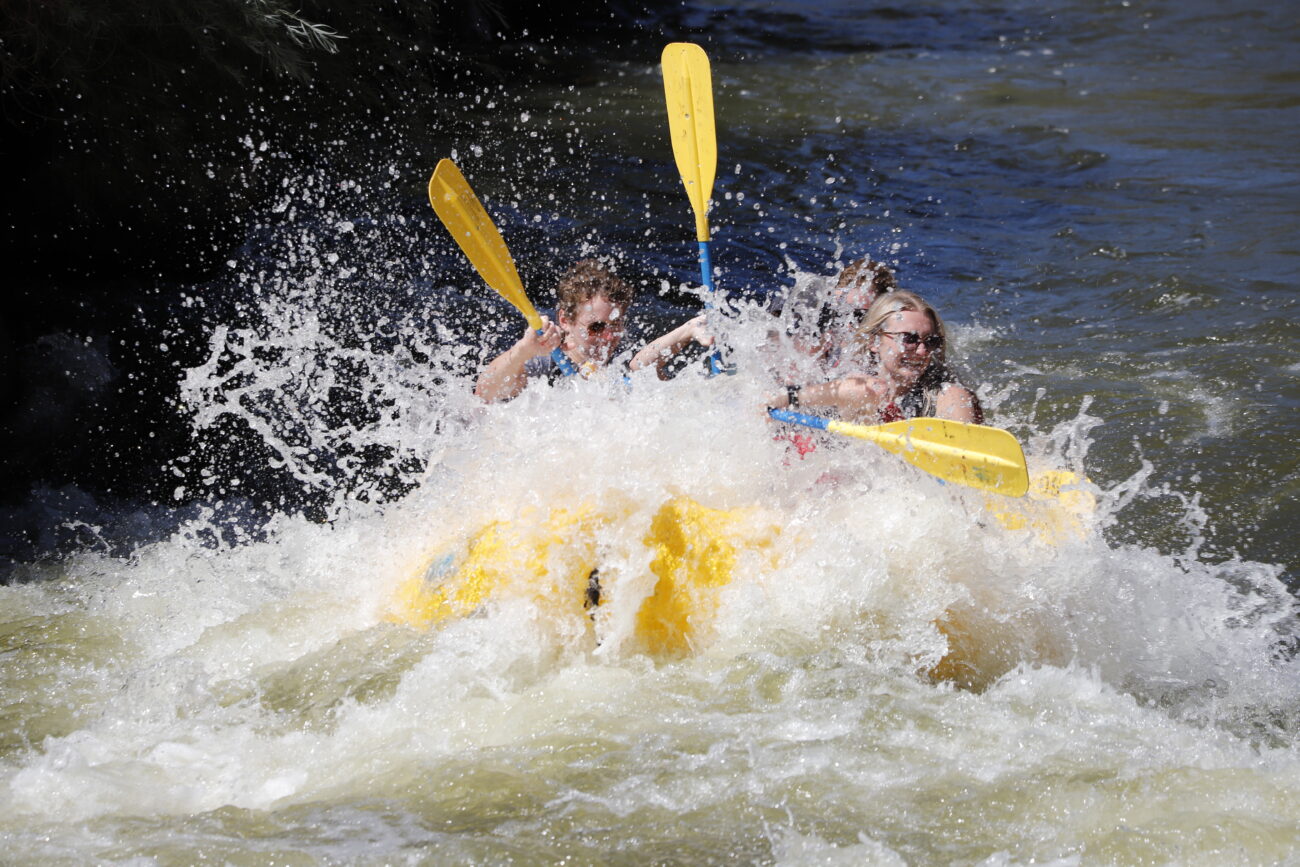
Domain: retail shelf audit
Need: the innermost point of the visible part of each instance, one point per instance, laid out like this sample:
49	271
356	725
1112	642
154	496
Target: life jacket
544	367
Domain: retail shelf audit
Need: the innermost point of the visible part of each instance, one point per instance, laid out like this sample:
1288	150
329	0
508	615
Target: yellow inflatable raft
552	559
692	550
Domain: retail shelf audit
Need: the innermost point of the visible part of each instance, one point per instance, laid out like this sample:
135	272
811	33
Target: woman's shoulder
952	387
955	401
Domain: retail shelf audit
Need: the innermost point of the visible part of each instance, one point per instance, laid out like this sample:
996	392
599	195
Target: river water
1102	200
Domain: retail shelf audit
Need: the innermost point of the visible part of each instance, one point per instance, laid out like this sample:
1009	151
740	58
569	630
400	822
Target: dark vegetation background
126	183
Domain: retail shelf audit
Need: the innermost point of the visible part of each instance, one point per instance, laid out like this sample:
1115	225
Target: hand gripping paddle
987	458
463	215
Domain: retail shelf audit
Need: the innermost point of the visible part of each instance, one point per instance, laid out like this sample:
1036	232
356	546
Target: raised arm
504	377
663	348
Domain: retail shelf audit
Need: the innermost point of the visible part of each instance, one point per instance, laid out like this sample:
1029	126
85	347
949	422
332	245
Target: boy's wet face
595	330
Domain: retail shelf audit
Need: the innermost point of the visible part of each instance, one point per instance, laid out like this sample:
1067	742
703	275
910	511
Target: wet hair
866	273
898	302
808	312
584	280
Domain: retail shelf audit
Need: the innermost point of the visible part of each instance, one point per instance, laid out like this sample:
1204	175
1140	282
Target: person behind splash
819	325
591	310
816	325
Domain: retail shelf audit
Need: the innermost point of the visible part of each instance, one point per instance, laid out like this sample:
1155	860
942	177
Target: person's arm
854	397
504	377
666	346
958	403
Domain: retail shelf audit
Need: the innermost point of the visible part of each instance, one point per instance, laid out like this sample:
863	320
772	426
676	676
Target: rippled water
1101	198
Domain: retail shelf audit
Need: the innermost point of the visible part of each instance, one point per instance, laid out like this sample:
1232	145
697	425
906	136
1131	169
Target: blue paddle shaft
706	272
706	275
793	417
561	360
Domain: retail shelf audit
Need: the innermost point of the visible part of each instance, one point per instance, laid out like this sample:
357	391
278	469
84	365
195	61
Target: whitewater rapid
251	695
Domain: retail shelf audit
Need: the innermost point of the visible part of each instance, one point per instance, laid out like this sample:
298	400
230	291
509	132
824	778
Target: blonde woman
905	341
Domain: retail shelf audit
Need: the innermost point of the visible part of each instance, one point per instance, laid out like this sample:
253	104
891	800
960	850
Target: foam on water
1100	686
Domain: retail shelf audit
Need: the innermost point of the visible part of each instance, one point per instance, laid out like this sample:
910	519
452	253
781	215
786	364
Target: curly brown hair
587	278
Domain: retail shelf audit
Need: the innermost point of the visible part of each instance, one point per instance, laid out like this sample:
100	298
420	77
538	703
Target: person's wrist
531	348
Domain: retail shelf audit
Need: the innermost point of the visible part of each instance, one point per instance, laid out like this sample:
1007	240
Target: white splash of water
264	675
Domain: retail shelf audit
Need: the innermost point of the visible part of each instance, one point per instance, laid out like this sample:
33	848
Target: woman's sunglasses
911	339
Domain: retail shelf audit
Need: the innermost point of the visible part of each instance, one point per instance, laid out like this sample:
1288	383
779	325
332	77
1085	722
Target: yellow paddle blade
974	455
463	215
1059	507
689	91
